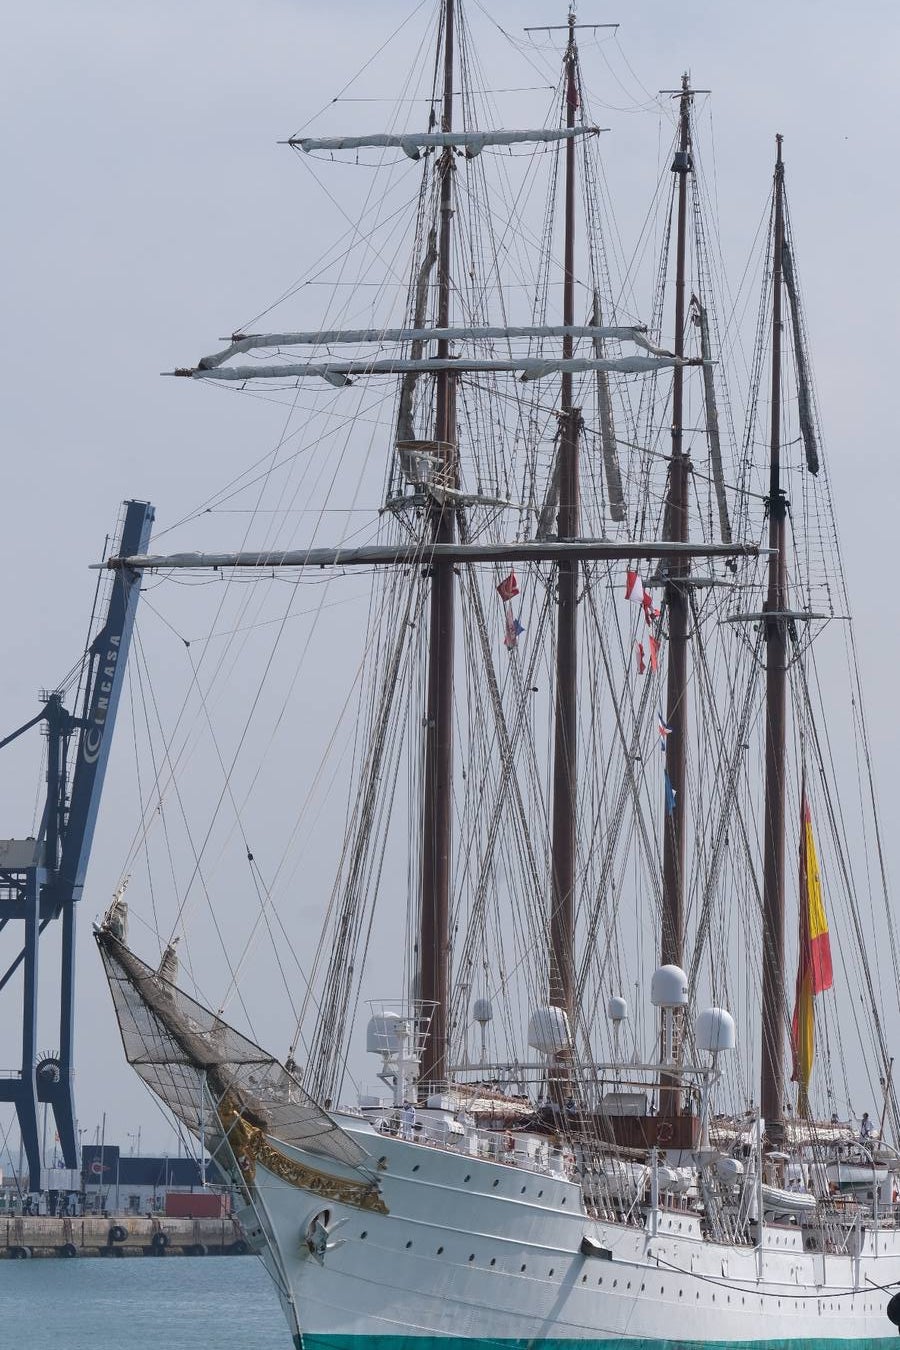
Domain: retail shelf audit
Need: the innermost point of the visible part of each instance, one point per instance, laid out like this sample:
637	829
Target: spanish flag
814	967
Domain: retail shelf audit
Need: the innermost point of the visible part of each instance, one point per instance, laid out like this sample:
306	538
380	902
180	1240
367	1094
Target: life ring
159	1242
117	1233
664	1132
68	1249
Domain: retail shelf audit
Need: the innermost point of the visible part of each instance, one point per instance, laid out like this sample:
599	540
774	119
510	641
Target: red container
197	1205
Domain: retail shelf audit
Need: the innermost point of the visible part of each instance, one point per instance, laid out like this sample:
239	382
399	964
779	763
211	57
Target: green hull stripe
337	1342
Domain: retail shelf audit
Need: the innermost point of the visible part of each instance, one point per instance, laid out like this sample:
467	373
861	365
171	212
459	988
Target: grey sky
148	211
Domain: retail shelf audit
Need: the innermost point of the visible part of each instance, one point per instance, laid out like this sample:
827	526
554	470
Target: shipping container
197	1204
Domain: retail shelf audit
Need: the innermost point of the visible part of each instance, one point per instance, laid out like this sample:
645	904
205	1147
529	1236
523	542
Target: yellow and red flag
814	973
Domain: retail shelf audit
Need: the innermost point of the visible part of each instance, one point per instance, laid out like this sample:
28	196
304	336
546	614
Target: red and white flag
639	654
634	588
654	651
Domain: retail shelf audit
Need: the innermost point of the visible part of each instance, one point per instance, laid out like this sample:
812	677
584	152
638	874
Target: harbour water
198	1303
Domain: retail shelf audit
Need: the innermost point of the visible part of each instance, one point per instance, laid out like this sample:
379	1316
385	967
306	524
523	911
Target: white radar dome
669	987
548	1030
381	1033
617	1009
482	1010
714	1030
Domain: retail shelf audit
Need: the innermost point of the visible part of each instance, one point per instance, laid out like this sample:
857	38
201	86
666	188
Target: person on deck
865	1127
407	1120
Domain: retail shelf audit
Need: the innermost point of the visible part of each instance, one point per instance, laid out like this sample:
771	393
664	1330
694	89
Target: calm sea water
180	1303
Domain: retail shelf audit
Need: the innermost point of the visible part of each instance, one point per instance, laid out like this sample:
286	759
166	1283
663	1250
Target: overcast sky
148	211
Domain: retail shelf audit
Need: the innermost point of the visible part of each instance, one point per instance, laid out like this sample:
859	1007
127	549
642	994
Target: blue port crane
42	878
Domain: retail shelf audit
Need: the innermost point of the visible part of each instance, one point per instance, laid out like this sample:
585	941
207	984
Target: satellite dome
669	987
548	1030
381	1033
482	1010
714	1030
617	1009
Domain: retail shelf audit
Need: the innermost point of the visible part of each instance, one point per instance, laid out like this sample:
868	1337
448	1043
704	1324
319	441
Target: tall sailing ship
591	723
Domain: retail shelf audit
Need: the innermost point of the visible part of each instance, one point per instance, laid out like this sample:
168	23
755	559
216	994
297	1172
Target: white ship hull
473	1251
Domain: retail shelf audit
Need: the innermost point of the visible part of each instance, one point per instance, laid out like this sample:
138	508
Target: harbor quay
119	1205
27	1236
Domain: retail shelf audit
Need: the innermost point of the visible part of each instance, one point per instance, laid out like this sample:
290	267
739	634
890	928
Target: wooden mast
562	892
434	928
773	991
676	708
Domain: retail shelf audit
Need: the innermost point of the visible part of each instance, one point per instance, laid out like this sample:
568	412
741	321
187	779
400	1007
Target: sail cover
184	1052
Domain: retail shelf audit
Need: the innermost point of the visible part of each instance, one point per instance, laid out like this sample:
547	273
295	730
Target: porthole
628	1285
643	1287
615	1282
472	1256
563	1200
522	1191
493	1260
416	1168
496	1181
408	1245
584	1279
467	1177
540	1193
523	1270
551	1273
364	1234
440	1251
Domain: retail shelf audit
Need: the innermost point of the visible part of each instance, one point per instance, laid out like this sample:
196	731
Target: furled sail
614	491
527	367
419	333
413	143
712	420
405	429
804	398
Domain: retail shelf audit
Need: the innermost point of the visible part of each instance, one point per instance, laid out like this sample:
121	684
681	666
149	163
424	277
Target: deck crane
42	878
